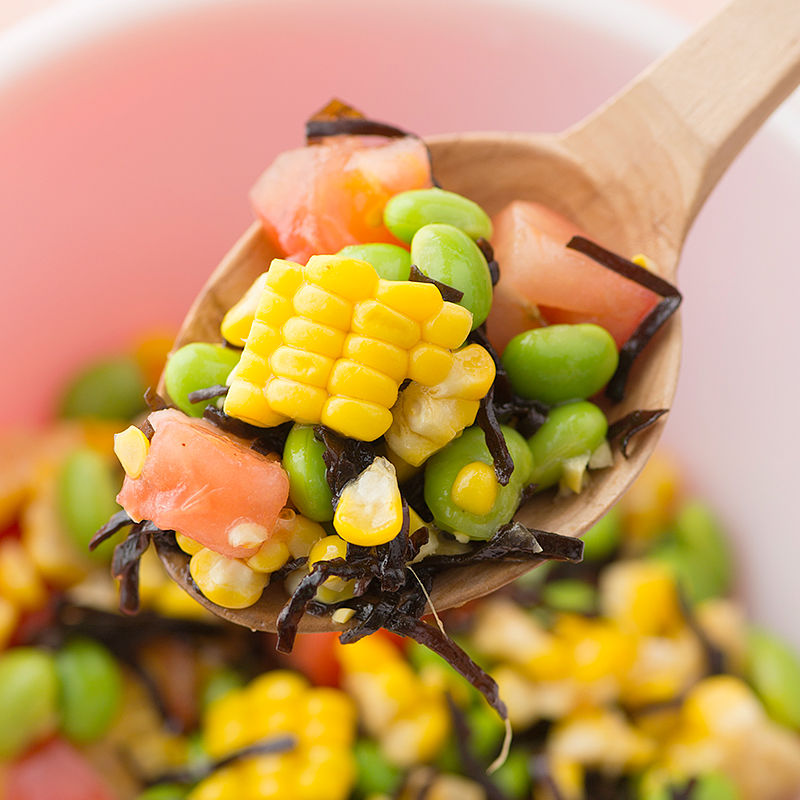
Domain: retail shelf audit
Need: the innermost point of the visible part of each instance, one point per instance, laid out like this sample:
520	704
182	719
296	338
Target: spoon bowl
633	175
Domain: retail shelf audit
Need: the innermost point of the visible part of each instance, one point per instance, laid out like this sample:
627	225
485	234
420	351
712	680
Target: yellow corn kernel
475	488
370	509
357	419
284	277
296	400
225	724
19	580
318	305
471	375
301	365
722	705
419	301
353	279
343	615
329	716
237	321
643	261
269	777
371	318
264	339
299	532
333	589
271	556
387	358
598	649
449	327
251	366
327	774
311	336
273	309
365	655
418	736
9	617
279	687
131	448
223	784
428	364
186	544
351	379
172	601
403	469
249	403
227	582
641	596
271	722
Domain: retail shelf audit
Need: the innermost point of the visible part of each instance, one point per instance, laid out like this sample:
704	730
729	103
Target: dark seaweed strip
289	566
272	440
236	427
345	459
393	556
414	492
495	441
649	325
125	565
155	402
147	429
115	524
602	786
686	792
488	253
449	293
470	764
194	774
631	424
208	393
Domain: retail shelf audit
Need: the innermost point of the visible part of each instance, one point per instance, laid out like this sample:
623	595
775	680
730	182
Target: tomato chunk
208	485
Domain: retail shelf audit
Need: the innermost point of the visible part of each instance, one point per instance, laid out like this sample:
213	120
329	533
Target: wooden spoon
633	174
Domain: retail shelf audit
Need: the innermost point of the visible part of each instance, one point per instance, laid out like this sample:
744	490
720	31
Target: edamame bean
308	487
408	211
109	389
571	430
91	689
219	683
560	362
391	262
513	777
443	468
448	255
376	775
197	366
572	595
711	786
164	791
86	493
28	698
604	537
773	669
697	528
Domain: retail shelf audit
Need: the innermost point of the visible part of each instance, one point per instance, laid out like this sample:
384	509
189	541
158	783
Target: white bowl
131	132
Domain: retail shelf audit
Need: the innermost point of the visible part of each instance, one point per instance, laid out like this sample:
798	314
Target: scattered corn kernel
343	615
227	582
331	343
20	582
187	544
131	448
327	549
271	556
8	621
475	488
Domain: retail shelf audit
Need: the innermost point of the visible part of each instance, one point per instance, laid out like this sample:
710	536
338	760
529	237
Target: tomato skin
314	654
55	771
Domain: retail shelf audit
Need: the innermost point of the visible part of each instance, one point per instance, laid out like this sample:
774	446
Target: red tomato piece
208	485
55	771
314	654
538	271
320	198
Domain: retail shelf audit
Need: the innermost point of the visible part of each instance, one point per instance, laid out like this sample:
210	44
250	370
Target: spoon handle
683	120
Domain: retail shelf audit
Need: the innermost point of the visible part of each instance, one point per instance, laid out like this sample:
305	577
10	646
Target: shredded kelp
628	426
208	393
495	441
488	253
345	459
264	440
155	402
115	524
671	299
449	293
125	564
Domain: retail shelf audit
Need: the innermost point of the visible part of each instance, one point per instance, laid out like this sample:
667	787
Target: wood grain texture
633	175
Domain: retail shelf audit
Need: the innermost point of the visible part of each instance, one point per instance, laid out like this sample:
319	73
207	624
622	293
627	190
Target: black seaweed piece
231	425
470	763
488	253
272	440
125	565
393	556
147	429
602	786
289	566
194	774
631	424
684	792
208	393
671	299
155	402
345	459
414	492
495	441
449	293
115	524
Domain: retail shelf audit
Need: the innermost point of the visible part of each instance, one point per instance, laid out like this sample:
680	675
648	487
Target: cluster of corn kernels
331	342
322	722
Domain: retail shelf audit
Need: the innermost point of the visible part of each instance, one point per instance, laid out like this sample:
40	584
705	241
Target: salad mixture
354	431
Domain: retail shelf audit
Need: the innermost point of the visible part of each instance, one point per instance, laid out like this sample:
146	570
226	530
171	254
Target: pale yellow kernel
349	277
251	368
643	261
419	301
131	448
323	307
471	375
311	336
186	544
357	419
271	556
475	488
327	549
227	582
449	327
237	321
296	400
247	534
429	364
273	309
343	615
387	358
299	533
284	276
302	366
354	380
371	318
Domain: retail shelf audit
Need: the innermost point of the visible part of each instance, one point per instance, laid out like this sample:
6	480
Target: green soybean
696	527
561	362
448	255
773	669
513	777
391	262
86	492
571	430
603	538
164	791
197	366
28	698
443	468
308	487
219	683
711	786
109	389
91	689
376	775
570	595
407	212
